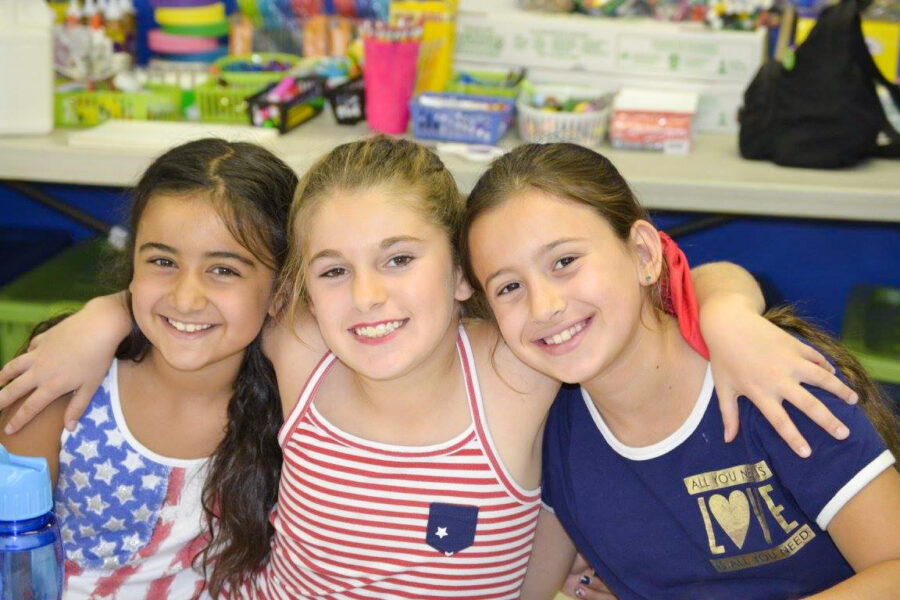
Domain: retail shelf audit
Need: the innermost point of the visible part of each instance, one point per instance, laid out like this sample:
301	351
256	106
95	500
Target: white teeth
188	327
380	330
564	336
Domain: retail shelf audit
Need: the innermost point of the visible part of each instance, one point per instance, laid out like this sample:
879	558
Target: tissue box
657	120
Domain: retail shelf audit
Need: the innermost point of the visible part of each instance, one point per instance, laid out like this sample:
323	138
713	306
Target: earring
647	278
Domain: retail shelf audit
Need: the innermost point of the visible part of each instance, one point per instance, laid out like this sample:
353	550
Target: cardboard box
574	42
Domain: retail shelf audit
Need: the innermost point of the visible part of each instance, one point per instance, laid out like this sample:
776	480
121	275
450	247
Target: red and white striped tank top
360	519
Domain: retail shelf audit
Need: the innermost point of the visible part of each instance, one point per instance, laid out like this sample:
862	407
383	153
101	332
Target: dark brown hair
587	177
251	189
872	398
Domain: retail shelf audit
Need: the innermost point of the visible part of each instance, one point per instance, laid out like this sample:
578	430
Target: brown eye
161	262
400	261
563	262
334	272
225	271
508	288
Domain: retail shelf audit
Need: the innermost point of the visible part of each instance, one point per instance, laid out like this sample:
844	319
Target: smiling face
381	281
198	296
567	293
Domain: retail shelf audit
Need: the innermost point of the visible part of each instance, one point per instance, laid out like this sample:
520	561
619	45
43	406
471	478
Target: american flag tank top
359	519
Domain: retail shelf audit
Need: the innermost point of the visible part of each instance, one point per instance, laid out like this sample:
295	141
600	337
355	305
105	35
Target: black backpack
825	112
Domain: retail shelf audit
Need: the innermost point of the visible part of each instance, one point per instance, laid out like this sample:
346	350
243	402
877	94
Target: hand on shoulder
294	348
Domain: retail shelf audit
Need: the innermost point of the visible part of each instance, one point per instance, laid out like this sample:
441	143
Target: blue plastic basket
461	117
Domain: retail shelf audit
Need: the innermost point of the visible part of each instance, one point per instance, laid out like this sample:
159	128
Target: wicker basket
541	125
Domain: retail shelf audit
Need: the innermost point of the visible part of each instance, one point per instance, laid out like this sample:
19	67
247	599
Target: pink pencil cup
390	77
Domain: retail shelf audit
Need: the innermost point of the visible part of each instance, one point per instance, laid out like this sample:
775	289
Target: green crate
486	83
60	285
88	108
871	330
218	103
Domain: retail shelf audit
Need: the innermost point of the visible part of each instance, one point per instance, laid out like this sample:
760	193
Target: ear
643	240
462	290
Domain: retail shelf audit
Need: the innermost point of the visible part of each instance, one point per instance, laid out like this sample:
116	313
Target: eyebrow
384	245
539	252
215	254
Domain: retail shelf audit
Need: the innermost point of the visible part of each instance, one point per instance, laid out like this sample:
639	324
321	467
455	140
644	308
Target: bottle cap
25	490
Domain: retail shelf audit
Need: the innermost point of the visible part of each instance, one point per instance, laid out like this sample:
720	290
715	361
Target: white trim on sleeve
852	487
548	508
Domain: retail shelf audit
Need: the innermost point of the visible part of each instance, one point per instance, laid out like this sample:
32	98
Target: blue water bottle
31	566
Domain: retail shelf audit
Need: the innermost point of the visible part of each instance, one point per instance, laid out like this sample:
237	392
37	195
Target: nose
368	290
188	294
547	300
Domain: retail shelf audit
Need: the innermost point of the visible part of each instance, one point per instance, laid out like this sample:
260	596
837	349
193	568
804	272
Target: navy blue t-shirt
694	517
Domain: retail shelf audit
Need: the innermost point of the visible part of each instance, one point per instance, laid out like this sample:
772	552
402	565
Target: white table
713	178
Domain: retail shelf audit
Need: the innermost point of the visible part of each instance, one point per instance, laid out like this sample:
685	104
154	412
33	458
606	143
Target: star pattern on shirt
142	514
124	493
99	415
65	458
114	524
150	482
105	471
80	479
133	461
88	450
109	497
441	532
104	548
115	438
96	504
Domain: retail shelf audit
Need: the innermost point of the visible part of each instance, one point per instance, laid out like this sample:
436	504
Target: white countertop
712	178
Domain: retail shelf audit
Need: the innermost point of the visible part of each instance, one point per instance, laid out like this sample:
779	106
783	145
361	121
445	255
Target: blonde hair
396	165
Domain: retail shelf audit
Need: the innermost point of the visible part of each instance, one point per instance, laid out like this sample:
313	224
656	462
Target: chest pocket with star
451	527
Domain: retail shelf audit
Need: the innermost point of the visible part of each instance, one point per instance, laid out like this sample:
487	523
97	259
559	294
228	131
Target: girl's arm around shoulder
516	402
867	532
752	357
551	559
294	348
73	356
40	437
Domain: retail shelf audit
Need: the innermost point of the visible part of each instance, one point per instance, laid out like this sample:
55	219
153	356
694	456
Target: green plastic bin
487	83
871	330
60	285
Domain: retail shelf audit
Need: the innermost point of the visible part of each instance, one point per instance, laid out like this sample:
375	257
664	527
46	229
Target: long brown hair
251	190
587	177
872	398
